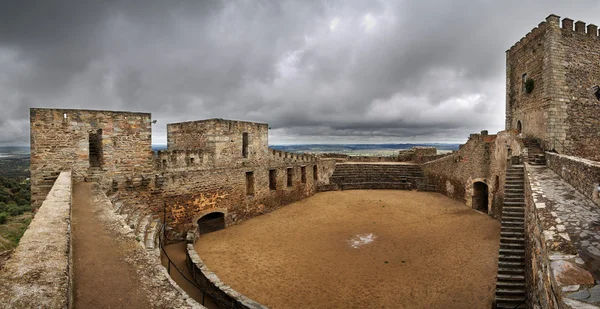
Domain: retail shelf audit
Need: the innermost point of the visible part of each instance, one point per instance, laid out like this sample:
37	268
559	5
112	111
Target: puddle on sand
361	240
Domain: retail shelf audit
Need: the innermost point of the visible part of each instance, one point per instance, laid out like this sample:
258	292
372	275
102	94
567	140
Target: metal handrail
566	149
160	244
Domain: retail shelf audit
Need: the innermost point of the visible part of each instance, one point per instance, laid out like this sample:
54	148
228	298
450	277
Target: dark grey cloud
316	71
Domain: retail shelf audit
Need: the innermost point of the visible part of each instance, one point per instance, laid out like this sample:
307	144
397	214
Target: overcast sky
316	71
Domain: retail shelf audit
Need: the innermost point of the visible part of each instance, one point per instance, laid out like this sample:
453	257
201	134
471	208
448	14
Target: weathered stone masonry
562	110
60	140
212	165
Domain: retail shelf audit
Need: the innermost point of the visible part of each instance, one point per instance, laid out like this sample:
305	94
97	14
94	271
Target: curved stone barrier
38	274
214	286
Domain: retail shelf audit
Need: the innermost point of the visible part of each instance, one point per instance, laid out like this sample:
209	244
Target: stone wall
528	56
541	285
582	174
60	140
454	175
564	64
38	273
582	72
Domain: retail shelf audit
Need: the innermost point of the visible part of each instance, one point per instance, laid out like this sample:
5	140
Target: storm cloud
316	71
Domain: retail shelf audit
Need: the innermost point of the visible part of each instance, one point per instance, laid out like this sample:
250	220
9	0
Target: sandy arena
361	249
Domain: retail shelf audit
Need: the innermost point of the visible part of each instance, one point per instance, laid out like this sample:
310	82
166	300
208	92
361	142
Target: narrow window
164	163
315	175
95	148
523	81
249	183
245	145
303	174
273	179
289	176
596	90
191	161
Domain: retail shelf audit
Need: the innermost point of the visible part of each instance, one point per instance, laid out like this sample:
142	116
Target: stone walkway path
574	228
111	269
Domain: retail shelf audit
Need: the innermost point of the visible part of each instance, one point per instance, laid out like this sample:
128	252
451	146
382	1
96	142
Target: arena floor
361	249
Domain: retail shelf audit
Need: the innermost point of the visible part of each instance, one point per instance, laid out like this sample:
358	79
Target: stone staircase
145	224
535	153
510	283
379	176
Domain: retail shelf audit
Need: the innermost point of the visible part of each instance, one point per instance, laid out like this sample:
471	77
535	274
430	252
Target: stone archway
480	196
519	126
211	222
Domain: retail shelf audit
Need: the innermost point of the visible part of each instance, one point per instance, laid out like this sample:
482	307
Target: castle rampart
561	106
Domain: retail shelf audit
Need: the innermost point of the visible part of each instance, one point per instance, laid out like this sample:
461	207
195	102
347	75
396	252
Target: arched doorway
480	196
519	126
211	222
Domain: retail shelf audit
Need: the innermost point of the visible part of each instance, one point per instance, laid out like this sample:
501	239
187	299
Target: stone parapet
581	173
39	272
225	296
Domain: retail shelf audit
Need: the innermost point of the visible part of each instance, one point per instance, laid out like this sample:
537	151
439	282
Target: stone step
511	271
513	208
508	302
511	258
507	264
512	251
509	245
512	213
133	217
513	218
151	234
514	199
516	240
141	226
511	234
510	284
511	228
506	277
514	190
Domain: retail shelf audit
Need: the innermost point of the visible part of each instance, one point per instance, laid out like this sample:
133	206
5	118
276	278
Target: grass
12	231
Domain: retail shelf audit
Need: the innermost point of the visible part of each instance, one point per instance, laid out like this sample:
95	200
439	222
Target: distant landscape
362	149
351	149
15	210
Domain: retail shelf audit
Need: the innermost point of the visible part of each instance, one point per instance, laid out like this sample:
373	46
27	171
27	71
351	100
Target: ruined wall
60	140
582	174
455	174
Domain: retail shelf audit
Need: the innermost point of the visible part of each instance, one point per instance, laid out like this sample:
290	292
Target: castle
216	172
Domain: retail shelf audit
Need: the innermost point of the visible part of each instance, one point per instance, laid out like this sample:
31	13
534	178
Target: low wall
581	173
541	285
214	286
372	159
38	274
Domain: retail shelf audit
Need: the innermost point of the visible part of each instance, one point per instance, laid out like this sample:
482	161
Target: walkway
111	269
572	227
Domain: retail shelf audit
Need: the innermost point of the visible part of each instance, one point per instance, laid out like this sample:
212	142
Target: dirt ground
361	249
102	278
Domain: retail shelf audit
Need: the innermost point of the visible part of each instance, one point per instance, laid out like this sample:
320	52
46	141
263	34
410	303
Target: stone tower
562	109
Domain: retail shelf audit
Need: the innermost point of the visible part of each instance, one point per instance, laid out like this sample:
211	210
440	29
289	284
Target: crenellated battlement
565	24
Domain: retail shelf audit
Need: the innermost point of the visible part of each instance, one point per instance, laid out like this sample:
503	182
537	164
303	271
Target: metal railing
220	303
553	140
